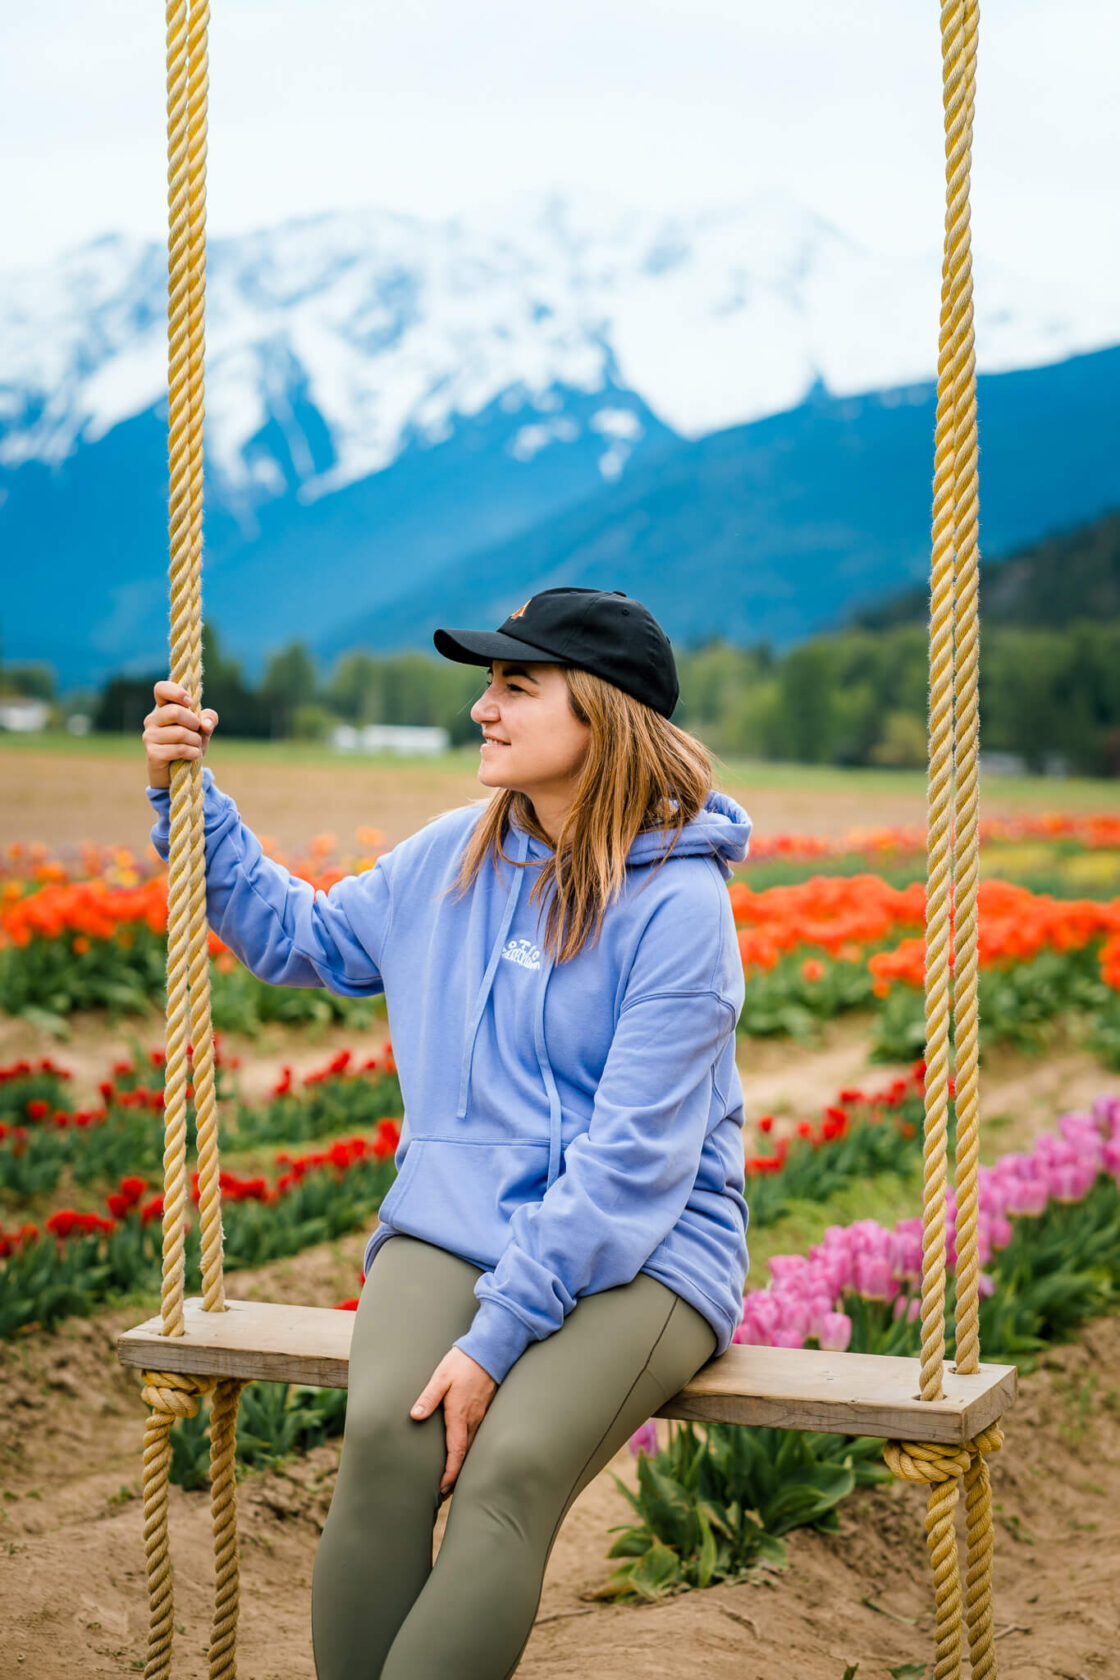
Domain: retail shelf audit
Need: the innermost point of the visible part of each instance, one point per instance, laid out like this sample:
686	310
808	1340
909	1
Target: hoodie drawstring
555	1111
491	970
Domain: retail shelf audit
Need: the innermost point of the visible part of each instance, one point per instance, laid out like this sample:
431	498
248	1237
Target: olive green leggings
380	1609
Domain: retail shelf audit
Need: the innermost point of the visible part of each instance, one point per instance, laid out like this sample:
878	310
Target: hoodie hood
721	827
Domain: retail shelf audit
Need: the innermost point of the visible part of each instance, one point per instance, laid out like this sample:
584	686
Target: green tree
903	743
289	685
124	702
354	687
806	685
409	688
34	682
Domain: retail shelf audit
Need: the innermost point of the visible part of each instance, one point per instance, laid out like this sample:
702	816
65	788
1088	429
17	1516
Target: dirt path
73	1593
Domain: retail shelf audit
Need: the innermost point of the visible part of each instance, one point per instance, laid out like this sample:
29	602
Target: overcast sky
437	106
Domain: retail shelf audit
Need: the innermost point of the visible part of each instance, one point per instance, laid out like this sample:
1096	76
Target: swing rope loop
951	908
170	1395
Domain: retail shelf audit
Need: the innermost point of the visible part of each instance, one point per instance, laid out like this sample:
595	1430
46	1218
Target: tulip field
831	939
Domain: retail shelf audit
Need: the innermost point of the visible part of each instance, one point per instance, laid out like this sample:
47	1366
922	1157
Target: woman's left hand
466	1390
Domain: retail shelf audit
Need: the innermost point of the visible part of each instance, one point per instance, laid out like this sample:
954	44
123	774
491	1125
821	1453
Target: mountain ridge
392	402
798	520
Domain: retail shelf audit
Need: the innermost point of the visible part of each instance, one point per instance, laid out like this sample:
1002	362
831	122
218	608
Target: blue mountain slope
767	531
784	527
85	544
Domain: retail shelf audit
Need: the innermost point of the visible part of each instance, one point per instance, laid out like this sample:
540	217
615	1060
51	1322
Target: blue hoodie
565	1127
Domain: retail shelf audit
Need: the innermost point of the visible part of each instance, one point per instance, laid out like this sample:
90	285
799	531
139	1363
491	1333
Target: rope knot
931	1462
174	1393
988	1440
926	1461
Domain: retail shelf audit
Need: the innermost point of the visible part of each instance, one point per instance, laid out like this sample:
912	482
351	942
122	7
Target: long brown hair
636	765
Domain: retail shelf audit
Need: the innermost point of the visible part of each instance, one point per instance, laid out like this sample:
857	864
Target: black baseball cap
599	630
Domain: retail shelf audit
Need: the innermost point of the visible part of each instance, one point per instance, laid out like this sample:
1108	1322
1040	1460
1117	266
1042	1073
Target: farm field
828	1032
64	791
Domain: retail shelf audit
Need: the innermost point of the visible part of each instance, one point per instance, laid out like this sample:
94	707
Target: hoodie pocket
462	1196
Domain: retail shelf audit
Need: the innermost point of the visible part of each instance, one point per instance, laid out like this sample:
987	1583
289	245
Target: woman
564	1245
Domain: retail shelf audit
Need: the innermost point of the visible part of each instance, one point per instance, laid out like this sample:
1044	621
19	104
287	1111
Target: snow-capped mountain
390	400
392	328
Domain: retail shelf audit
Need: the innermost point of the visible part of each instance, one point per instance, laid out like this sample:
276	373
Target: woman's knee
508	1468
382	1441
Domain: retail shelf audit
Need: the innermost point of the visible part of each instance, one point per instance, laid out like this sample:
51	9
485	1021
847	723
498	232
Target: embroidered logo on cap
520	610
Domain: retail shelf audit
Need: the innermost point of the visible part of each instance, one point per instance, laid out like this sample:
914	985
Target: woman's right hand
172	730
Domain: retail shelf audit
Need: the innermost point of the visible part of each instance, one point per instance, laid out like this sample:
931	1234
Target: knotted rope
171	1395
953	754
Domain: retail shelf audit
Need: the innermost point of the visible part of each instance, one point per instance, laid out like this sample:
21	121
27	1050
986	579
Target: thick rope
175	1075
172	1395
202	1043
966	873
953	756
223	1510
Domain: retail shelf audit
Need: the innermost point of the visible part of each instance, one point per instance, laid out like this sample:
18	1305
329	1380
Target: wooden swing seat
782	1388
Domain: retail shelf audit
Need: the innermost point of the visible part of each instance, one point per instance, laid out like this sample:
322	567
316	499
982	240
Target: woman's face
538	743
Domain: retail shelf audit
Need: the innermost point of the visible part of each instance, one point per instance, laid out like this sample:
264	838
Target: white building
21	714
403	739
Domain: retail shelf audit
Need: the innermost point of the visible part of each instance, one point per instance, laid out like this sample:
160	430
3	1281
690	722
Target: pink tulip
1029	1197
765	1309
873	1278
1106	1113
644	1440
1067	1183
906	1252
1110	1157
750	1334
835	1332
798	1318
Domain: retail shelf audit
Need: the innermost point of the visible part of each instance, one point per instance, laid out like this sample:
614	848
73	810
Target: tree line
858	697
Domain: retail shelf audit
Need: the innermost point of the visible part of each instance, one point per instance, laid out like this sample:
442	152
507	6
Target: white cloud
438	107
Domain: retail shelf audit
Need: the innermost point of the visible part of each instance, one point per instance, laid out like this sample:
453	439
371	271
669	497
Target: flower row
840	914
78	1259
809	951
865	1260
27	866
843	914
40	1137
858	1136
